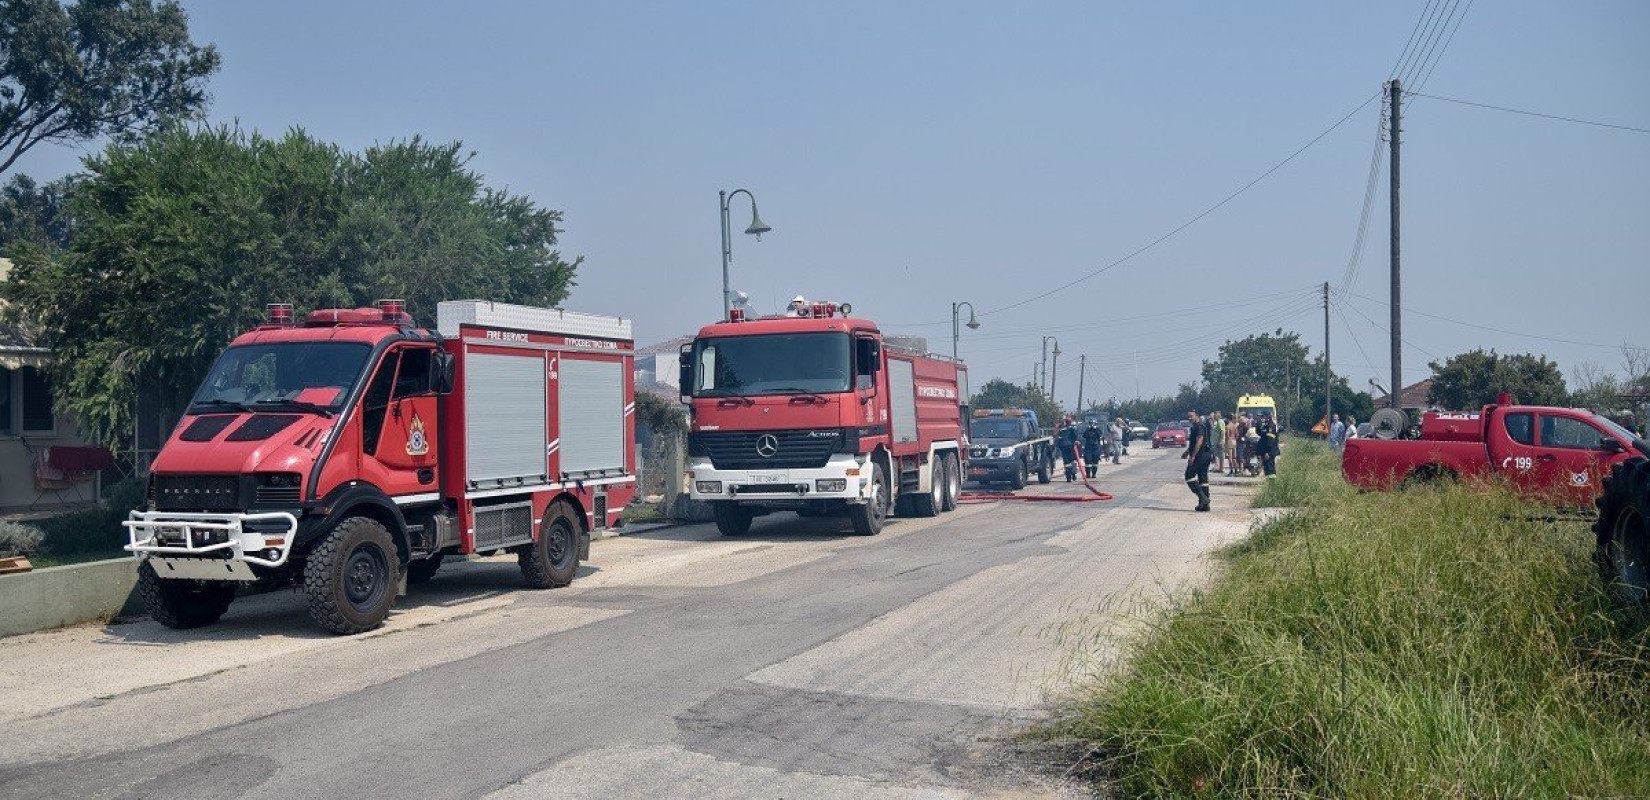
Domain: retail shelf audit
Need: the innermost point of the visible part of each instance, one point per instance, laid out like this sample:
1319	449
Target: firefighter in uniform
1067	442
1199	451
1092	441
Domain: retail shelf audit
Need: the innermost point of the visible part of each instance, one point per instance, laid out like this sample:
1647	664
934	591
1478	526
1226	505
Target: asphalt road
797	661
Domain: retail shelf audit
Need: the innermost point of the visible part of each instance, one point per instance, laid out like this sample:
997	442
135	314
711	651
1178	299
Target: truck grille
197	492
755	450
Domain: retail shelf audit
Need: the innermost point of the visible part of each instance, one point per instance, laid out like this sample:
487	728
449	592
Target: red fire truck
815	412
350	452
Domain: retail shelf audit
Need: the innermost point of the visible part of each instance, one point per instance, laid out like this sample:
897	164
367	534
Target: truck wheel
929	503
953	482
1018	481
1623	552
422	570
349	577
1432	475
182	604
1045	469
553	560
732	519
868	517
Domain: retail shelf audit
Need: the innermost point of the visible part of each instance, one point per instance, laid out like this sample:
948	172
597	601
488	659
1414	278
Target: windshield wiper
219	404
301	405
812	396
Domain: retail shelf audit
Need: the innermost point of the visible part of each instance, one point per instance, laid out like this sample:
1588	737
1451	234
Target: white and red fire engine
350	452
815	412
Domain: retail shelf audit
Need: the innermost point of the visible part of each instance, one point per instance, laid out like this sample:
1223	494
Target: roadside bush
19	540
1438	643
92	530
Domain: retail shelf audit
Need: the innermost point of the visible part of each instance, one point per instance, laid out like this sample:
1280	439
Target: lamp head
758	227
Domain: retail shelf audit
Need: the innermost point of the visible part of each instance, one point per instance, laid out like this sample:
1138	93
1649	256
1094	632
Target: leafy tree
95	68
998	393
181	239
1475	378
33	214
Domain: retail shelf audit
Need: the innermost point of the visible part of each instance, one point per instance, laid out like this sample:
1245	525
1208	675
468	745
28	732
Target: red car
1554	455
1170	434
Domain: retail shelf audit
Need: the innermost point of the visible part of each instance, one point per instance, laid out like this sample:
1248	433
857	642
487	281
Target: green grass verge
1420	644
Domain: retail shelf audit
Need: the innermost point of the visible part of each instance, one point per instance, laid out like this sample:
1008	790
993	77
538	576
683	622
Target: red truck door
398	424
1572	457
1510	439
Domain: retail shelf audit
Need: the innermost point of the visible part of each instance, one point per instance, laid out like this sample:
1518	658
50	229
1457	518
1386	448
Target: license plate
759	478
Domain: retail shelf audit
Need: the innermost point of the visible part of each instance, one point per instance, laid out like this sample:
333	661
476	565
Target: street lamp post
757	228
1054	376
956	331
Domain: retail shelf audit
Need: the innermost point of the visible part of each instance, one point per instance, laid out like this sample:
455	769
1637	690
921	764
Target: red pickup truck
1556	455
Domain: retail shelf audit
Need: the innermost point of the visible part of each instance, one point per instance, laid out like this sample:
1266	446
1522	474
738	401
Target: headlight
831	485
707	487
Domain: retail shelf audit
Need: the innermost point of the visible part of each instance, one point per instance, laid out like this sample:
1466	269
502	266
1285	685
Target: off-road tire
1623	531
1020	477
422	570
732	519
870	516
1045	469
350	576
1429	476
953	481
182	604
552	560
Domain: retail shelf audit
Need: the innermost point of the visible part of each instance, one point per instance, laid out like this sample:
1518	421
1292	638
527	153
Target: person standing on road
1197	455
1091	447
1337	433
1234	434
1268	447
1114	440
1128	434
1067	441
1217	440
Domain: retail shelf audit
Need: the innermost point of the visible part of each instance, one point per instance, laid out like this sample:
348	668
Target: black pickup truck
1007	446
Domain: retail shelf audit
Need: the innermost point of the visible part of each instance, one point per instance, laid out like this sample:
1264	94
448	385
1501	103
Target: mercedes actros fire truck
349	452
815	412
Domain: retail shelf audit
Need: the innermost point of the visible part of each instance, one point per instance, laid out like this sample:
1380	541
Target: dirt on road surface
797	661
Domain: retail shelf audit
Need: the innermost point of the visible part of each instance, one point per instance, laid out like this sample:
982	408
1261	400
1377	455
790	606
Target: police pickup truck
1006	445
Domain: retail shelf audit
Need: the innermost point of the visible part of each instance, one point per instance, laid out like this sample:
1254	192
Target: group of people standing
1095	442
1227	444
1340	432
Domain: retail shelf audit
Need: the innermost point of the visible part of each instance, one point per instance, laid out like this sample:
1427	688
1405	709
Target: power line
1194	311
1558	117
1428	75
1188	223
1403	56
1434	36
1507	332
1378	326
1377	156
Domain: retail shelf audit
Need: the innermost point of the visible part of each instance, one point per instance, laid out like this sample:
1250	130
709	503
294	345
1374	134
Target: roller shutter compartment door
592	416
902	399
504	417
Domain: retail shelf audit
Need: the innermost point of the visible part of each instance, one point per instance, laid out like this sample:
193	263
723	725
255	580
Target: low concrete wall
67	595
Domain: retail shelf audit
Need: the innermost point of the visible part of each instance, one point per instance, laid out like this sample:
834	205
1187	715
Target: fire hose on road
1095	495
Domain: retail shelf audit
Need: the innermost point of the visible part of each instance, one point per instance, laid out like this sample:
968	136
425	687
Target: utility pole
1137	376
1327	372
1082	372
1042	383
1397	95
1054	377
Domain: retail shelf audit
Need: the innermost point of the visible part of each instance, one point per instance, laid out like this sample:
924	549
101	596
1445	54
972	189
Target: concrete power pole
1082	372
1042	382
1328	373
1397	95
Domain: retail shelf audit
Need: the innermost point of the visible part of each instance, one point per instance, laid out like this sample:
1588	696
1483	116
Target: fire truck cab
814	412
351	452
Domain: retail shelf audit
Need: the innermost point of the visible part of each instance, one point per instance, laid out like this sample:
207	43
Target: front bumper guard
147	529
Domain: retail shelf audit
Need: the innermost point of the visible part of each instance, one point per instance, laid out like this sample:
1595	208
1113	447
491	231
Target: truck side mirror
441	371
868	356
684	372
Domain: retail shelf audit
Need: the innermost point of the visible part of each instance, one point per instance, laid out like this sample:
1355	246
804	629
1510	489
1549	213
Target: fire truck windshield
294	375
795	363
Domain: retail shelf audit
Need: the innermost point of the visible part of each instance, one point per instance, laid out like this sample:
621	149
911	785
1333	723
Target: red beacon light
393	310
280	314
736	315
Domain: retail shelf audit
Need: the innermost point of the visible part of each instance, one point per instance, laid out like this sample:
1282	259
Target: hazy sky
911	154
